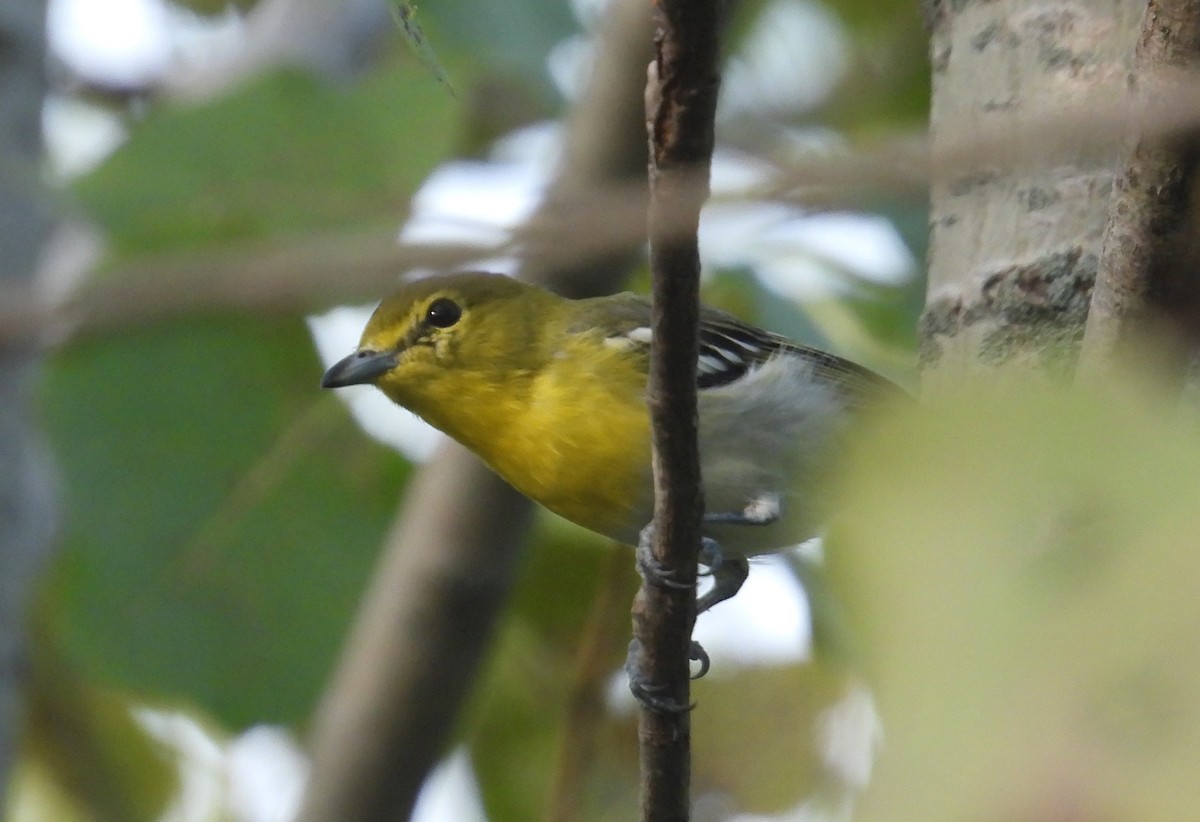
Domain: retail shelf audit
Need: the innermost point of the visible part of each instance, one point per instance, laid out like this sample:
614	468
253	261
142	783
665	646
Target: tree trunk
1019	211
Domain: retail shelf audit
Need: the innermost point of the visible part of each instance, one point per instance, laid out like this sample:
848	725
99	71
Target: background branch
593	211
26	500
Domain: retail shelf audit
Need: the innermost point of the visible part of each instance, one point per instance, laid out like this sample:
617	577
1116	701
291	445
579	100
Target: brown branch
294	276
1145	258
681	98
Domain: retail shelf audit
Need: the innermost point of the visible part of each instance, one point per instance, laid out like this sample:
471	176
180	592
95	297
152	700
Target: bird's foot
728	574
653	696
650	568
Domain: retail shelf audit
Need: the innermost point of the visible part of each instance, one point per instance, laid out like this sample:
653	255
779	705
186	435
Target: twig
681	99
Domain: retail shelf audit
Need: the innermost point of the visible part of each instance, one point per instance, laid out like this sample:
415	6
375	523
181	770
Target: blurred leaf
513	737
514	37
222	514
85	749
739	23
756	735
887	84
742	293
1021	567
283	154
35	795
873	14
541	721
564	572
212	8
875	326
888	314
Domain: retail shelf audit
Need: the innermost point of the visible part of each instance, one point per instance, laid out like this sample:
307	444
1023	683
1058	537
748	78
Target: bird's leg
729	573
764	509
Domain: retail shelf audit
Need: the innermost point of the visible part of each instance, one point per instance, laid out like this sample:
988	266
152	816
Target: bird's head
440	333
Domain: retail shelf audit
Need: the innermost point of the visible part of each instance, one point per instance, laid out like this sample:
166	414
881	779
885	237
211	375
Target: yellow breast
581	446
573	435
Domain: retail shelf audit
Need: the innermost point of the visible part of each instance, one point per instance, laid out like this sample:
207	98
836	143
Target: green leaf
84	749
539	726
514	37
1020	566
222	513
543	724
283	154
756	735
213	8
887	84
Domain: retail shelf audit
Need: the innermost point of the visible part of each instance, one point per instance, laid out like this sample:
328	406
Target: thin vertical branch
681	102
1150	203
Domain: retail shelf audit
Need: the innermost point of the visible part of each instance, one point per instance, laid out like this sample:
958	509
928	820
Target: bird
550	393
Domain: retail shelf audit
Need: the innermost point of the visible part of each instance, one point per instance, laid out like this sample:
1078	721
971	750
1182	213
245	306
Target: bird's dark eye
443	313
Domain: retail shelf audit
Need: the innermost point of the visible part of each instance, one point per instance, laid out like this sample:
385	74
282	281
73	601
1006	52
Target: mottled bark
1148	264
1016	238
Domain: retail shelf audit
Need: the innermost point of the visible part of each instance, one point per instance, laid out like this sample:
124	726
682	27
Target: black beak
359	368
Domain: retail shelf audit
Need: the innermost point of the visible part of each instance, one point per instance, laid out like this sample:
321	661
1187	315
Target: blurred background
236	184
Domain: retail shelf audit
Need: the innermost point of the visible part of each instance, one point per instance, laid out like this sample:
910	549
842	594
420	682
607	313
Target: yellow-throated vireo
551	393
